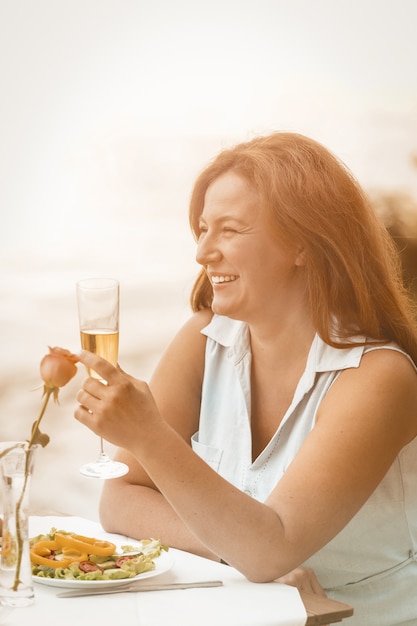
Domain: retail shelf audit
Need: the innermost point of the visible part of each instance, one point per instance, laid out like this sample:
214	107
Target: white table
237	603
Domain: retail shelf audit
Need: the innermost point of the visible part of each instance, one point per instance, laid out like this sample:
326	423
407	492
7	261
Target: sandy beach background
108	112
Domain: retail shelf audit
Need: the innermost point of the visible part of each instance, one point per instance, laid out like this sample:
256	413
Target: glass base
104	469
14	600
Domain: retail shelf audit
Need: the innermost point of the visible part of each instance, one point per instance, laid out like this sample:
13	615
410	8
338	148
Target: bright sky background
108	104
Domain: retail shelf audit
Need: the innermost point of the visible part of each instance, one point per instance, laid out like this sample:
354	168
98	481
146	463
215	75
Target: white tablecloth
237	603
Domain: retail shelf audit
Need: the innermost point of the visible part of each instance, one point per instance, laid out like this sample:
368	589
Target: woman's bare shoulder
184	356
382	390
389	364
199	320
189	335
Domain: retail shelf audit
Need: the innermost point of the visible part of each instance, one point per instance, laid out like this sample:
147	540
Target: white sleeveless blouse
372	563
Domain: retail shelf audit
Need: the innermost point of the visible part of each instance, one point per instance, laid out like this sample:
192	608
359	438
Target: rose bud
58	367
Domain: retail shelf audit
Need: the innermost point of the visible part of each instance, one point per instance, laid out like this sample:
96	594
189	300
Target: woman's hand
118	410
304	579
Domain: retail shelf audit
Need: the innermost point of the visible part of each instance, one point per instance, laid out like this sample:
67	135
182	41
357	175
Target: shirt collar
233	334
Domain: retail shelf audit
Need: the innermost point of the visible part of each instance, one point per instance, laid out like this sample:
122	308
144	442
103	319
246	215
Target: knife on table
136	586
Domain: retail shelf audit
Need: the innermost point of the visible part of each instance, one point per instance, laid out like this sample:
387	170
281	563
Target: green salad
65	555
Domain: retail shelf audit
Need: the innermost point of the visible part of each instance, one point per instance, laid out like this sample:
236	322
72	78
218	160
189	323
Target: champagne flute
98	312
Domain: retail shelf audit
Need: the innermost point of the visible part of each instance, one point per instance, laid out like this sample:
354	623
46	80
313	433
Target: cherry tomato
125	557
88	566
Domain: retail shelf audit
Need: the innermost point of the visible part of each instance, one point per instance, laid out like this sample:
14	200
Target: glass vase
16	465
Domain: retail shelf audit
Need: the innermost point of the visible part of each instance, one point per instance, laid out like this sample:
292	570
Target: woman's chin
220	309
226	311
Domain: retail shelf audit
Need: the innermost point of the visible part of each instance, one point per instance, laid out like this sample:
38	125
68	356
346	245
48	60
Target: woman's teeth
223	279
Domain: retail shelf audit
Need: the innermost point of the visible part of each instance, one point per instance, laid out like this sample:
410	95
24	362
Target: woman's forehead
230	190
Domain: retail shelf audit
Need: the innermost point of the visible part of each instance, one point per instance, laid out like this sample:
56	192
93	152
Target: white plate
162	564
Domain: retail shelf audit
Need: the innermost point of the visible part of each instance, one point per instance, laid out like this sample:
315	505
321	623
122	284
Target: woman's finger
103	368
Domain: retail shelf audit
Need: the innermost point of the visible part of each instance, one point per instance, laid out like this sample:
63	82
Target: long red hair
313	202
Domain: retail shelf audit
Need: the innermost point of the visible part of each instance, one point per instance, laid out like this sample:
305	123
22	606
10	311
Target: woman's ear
300	257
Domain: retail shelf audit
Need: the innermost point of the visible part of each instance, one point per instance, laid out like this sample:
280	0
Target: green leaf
39	438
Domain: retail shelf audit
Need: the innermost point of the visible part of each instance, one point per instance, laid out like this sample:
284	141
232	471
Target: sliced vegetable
44	553
88	566
85	544
124	558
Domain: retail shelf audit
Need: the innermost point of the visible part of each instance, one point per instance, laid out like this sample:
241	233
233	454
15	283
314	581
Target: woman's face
251	273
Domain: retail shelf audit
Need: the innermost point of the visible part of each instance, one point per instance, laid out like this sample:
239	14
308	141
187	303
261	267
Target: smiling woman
107	111
292	388
310	203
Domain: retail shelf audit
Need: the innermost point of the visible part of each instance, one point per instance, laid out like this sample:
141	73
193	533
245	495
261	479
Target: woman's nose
207	250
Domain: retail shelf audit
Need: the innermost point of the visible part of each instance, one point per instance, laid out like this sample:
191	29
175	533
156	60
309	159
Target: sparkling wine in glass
98	312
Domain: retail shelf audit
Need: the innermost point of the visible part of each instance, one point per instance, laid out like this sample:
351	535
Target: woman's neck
278	344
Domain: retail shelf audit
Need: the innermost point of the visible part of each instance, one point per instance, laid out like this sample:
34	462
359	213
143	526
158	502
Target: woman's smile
221	279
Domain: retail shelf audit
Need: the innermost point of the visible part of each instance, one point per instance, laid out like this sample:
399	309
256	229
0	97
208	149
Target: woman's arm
368	415
132	505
